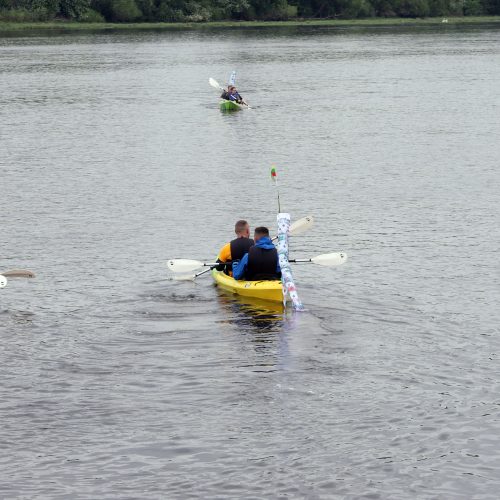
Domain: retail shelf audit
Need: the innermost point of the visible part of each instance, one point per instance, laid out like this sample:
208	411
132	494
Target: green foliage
119	11
124	11
413	8
73	9
147	8
170	11
91	16
244	10
359	8
473	8
42	10
383	8
315	8
23	15
197	12
438	8
492	7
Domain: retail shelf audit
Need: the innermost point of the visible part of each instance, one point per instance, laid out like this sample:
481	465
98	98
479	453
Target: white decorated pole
286	271
283	232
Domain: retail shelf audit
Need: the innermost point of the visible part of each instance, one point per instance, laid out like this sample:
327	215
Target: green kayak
230	105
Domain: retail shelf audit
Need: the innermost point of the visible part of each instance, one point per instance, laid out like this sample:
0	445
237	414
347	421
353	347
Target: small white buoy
3	281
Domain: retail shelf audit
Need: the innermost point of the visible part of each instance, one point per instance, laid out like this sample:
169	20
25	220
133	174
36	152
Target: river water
118	383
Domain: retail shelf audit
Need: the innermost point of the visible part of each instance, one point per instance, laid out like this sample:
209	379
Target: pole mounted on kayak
287	282
274	177
284	225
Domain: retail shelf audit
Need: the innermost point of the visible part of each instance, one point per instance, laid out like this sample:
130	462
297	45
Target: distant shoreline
6	27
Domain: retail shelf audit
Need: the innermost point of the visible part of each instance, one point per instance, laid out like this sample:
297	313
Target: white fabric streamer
286	271
232	78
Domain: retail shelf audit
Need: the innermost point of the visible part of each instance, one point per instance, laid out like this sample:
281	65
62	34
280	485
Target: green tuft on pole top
274	174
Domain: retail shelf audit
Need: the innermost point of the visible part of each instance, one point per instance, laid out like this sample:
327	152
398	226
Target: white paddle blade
301	225
183	265
214	84
3	281
330	259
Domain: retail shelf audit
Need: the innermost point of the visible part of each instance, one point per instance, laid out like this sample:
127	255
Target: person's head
260	232
242	229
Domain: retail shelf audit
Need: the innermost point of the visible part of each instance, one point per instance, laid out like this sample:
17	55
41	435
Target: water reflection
17	317
259	315
263	325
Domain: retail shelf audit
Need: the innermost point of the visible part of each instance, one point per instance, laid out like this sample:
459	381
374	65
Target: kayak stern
265	290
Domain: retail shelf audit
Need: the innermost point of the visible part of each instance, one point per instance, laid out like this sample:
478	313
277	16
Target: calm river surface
114	157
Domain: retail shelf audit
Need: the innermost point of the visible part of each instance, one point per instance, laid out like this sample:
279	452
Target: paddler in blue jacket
261	262
231	94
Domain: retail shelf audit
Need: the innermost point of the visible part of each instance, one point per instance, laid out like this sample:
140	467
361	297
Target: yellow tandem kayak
265	290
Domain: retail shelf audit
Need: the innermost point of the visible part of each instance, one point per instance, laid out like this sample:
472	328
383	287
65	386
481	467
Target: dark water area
116	382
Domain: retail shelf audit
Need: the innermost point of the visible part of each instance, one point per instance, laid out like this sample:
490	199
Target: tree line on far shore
238	10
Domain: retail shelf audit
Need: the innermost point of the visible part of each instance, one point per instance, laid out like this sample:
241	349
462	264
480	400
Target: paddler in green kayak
235	249
231	94
260	263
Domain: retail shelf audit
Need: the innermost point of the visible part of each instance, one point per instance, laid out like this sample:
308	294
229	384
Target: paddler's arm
224	256
240	267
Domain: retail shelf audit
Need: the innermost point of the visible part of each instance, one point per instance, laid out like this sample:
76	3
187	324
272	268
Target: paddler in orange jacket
235	249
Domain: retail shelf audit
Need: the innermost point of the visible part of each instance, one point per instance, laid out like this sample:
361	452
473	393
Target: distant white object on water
444	20
3	281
